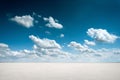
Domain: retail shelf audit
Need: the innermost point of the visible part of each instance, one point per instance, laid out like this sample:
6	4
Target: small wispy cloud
62	35
36	15
52	23
48	32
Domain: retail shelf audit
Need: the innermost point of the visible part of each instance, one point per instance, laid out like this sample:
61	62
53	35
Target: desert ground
59	71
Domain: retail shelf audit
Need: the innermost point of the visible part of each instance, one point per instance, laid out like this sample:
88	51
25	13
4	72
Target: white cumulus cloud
43	50
2	45
41	54
26	20
47	47
101	35
52	23
45	43
79	47
6	52
90	43
94	55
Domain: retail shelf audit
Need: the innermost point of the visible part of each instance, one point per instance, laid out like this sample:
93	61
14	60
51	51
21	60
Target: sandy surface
59	71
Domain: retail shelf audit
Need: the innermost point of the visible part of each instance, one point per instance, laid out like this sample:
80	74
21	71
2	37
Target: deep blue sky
76	16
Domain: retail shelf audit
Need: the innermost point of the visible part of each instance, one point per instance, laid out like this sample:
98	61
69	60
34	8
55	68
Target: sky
59	31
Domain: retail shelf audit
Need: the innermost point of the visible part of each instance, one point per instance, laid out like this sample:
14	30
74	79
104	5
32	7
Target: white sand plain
59	71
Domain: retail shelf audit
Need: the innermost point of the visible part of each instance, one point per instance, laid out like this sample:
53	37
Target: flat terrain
59	71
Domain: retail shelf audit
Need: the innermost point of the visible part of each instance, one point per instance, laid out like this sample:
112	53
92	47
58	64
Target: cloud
39	16
8	55
26	20
41	54
52	23
3	49
45	43
90	43
36	15
43	50
101	35
6	52
78	46
47	47
87	54
61	35
2	45
49	52
47	32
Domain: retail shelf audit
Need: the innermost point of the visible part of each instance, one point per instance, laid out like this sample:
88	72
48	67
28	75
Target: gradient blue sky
76	16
